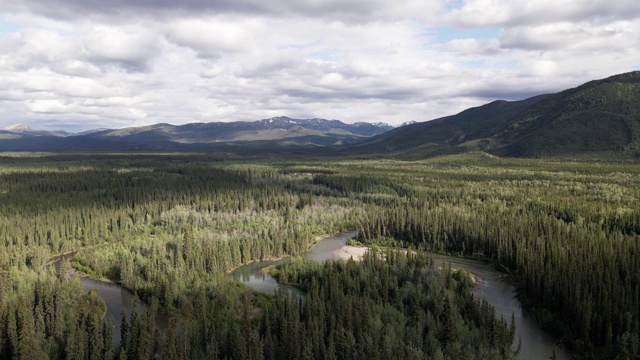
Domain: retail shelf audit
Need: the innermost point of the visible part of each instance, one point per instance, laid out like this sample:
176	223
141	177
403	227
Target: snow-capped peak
18	127
377	124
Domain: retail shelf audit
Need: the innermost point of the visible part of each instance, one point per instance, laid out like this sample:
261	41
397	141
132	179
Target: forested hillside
169	227
600	118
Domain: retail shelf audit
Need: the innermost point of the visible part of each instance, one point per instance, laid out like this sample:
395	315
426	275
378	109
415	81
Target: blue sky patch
323	55
474	64
454	4
445	34
7	27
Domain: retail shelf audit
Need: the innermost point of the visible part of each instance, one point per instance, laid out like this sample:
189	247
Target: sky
76	65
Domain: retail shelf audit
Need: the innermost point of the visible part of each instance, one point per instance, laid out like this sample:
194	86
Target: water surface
115	297
501	294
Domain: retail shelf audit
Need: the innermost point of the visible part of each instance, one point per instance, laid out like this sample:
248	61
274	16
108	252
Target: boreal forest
170	228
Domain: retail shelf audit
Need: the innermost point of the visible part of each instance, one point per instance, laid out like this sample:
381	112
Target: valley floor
170	227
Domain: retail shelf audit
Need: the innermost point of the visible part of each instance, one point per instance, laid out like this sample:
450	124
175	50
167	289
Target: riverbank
82	274
357	253
317	240
55	258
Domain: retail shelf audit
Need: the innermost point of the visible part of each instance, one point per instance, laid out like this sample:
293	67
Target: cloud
127	63
32	48
49	106
131	48
211	37
543	25
343	10
472	46
288	62
619	35
75	67
483	13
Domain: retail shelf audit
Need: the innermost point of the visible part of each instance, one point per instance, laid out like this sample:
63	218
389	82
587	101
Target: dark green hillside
62	144
451	130
599	117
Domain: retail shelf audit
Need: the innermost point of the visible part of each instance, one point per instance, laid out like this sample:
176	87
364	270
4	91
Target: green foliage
396	303
568	237
47	316
170	227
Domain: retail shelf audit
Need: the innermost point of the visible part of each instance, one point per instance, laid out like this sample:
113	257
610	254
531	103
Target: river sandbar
348	251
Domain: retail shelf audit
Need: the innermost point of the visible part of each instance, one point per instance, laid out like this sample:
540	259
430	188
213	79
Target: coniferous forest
170	227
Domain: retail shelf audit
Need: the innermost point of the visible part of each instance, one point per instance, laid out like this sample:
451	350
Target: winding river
115	297
536	344
251	275
501	294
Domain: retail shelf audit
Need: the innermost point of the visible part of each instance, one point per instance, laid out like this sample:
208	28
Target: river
115	297
251	275
501	294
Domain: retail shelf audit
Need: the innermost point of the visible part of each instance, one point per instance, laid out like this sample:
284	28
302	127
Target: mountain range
600	118
278	132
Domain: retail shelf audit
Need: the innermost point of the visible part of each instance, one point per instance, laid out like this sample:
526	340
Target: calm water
251	275
536	344
501	294
115	297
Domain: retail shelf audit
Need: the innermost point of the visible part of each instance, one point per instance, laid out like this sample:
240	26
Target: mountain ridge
598	117
276	132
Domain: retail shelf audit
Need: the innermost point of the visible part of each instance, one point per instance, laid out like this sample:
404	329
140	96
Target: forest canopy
169	227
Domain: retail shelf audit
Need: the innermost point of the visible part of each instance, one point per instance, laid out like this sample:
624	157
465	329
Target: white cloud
270	64
131	47
51	106
75	67
215	36
618	35
33	48
125	63
480	13
472	46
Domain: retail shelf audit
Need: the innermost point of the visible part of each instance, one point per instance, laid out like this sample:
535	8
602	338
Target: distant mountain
18	128
278	132
599	117
87	132
21	131
62	133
